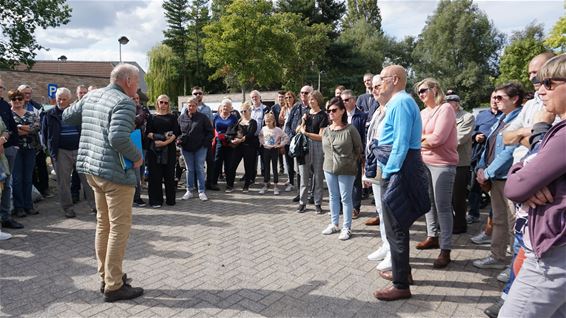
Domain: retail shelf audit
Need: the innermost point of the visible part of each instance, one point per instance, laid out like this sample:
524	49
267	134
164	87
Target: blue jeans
6	199
23	177
517	244
340	189
194	161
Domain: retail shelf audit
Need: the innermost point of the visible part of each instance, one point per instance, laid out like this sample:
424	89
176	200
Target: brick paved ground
237	255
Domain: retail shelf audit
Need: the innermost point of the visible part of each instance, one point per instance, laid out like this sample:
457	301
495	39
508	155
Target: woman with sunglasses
28	131
342	147
245	144
539	183
224	121
289	161
491	174
439	151
312	126
162	129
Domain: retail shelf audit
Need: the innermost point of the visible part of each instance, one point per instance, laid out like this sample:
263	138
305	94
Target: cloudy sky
92	34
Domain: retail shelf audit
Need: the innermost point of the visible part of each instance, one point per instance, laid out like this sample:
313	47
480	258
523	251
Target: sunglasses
346	100
332	110
197	93
423	90
499	97
243	111
376	86
304	93
17	99
547	82
163	102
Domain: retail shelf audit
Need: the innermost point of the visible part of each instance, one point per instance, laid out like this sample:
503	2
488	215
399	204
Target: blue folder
137	140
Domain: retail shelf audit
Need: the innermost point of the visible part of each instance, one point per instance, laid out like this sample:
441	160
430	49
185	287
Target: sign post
51	90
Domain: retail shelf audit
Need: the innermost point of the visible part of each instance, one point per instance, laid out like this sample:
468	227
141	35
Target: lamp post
122	41
62	59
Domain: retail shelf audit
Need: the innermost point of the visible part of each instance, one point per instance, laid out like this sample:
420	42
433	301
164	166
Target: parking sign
51	90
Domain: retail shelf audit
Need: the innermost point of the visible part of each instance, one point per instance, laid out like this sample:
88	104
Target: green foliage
328	12
459	47
557	38
198	17
248	44
19	19
162	75
363	9
218	8
515	60
177	35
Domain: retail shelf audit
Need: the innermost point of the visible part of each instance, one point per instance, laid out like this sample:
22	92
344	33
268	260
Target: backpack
298	146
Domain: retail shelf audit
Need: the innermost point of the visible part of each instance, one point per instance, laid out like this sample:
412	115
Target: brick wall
39	81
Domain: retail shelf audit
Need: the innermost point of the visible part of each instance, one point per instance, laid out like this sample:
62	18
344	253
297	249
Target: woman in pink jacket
439	151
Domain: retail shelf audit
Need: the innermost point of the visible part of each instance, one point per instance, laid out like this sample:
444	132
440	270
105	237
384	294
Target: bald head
536	64
393	80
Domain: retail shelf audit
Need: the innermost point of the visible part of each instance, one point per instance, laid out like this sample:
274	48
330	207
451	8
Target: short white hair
62	91
23	86
226	101
122	72
255	92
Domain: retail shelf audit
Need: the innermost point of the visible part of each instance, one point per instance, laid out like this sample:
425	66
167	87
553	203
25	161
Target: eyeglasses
332	110
347	99
535	80
197	93
387	76
19	99
499	97
243	111
304	93
376	86
423	90
547	82
288	97
164	102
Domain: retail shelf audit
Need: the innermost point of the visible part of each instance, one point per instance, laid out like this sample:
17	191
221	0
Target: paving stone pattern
237	255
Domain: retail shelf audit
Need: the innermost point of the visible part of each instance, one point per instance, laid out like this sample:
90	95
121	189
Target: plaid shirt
31	140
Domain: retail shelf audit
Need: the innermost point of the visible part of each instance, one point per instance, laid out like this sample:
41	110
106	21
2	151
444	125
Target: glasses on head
332	110
164	102
547	82
423	90
304	93
197	93
499	97
19	99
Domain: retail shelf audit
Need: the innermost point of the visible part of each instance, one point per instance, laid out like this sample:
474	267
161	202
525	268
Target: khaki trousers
503	221
114	220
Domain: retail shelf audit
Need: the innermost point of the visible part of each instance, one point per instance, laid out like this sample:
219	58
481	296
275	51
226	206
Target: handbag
299	146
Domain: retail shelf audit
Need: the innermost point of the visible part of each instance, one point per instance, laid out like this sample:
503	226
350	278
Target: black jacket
196	131
11	126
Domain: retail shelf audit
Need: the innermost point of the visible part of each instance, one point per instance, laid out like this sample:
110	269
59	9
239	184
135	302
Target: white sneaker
5	236
379	255
489	263
345	234
187	195
481	239
289	188
385	264
504	275
262	190
330	229
275	190
202	196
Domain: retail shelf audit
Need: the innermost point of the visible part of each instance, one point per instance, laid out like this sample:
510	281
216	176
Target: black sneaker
125	280
123	293
11	224
301	208
493	310
20	213
213	187
139	202
297	198
318	209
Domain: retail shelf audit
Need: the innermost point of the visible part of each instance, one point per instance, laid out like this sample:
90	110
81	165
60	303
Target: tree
162	74
557	38
19	19
177	34
363	9
247	44
523	47
218	8
329	12
198	17
459	47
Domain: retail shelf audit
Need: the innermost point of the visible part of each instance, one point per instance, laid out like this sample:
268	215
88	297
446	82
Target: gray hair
62	91
23	86
255	92
226	101
122	72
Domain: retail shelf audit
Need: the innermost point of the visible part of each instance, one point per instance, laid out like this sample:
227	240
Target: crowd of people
439	162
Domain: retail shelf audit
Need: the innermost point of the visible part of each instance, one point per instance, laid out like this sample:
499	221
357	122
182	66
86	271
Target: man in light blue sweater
402	131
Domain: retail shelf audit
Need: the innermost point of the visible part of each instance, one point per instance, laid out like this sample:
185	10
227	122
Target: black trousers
246	152
75	185
398	238
270	156
459	195
357	191
40	174
209	166
159	175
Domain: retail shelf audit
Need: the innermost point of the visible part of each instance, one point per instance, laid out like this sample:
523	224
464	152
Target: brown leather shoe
392	293
388	275
355	214
373	221
443	259
428	244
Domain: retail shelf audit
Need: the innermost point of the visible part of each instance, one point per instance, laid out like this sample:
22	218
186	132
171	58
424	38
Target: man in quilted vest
108	157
